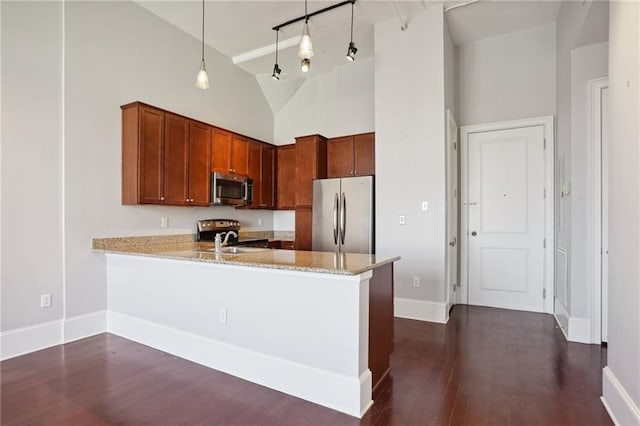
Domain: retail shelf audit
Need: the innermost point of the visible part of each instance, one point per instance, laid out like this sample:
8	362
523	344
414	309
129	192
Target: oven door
230	190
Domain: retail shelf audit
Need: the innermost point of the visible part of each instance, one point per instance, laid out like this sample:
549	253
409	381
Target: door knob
474	233
452	243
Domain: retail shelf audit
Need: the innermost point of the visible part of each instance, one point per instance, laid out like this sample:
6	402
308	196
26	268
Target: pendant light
202	80
276	68
306	48
351	50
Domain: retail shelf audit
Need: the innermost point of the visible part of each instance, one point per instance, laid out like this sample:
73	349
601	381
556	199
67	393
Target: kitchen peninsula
315	325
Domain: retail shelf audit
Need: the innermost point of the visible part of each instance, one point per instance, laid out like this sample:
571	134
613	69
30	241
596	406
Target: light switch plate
425	206
402	219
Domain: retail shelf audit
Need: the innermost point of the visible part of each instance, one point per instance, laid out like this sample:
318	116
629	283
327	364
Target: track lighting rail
317	12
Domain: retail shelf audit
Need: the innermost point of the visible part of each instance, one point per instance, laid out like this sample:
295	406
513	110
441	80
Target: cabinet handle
161	198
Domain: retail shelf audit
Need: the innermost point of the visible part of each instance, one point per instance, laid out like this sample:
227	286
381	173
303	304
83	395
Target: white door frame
594	205
549	258
451	147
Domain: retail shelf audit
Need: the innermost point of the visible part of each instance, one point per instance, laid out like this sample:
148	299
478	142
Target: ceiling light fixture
202	80
352	49
305	51
306	47
276	68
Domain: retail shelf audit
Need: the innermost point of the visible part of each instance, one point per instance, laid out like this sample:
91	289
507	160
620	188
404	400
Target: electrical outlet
416	282
223	316
259	221
402	219
425	206
164	222
45	300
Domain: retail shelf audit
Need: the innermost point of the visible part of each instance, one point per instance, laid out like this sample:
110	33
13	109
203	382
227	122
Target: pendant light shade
202	79
306	47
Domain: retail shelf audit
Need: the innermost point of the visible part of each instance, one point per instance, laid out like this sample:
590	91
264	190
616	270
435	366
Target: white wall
32	250
575	66
410	151
587	63
450	73
335	104
114	53
624	214
508	77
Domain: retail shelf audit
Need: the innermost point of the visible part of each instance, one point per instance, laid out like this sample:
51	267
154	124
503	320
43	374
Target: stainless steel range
206	231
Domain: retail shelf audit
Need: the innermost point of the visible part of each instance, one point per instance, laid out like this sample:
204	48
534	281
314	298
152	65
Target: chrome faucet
218	241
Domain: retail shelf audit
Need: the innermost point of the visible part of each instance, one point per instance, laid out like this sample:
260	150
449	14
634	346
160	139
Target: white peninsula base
302	333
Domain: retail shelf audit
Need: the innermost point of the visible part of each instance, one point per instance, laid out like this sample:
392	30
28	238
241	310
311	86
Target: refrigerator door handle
335	219
343	219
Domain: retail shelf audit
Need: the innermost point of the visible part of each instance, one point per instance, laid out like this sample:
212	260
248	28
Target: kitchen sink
236	250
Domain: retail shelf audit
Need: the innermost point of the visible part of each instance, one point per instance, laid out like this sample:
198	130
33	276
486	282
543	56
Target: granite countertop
179	248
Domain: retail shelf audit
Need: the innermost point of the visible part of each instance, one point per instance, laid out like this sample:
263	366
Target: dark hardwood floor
485	367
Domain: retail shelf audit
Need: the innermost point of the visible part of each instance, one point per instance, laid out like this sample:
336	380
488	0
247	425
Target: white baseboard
580	330
82	326
622	409
422	310
343	393
21	341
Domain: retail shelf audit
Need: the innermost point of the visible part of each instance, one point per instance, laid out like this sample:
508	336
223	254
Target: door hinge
544	293
544	143
544	194
544	243
455	146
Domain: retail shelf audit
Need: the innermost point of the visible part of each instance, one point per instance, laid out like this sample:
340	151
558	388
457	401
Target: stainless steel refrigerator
343	215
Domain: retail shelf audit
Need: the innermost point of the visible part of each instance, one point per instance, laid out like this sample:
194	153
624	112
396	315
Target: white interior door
452	210
506	218
604	229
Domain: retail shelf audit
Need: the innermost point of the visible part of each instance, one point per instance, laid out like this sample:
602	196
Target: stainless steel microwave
231	190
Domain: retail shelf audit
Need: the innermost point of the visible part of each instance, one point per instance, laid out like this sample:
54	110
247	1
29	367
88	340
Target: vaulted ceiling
243	31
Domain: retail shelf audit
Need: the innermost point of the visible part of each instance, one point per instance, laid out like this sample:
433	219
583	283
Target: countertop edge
229	260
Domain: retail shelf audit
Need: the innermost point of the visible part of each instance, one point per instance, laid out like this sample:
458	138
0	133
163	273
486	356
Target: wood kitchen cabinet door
286	177
221	151
267	157
364	153
151	156
340	157
176	159
311	163
304	219
239	155
199	192
255	172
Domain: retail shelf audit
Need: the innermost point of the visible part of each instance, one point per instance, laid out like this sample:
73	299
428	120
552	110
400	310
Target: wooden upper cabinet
166	158
230	153
340	157
221	151
142	154
351	156
364	153
311	163
268	190
176	159
286	177
200	164
255	172
239	155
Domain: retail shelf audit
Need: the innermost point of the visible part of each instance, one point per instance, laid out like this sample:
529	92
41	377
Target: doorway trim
549	154
594	205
